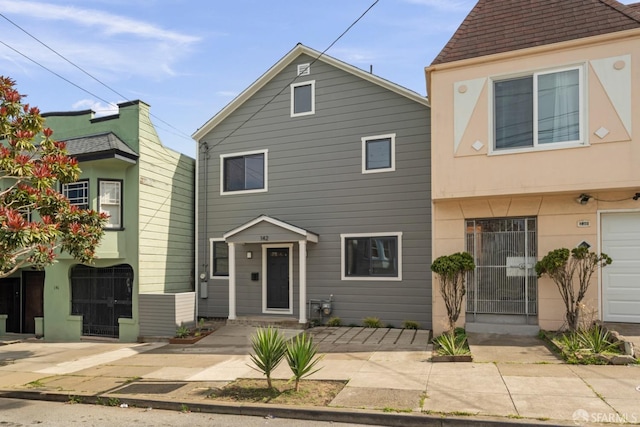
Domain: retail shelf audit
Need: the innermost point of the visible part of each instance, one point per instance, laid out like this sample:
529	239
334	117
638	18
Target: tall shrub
571	271
451	271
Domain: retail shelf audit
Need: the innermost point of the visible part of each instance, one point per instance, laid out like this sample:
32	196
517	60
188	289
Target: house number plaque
264	238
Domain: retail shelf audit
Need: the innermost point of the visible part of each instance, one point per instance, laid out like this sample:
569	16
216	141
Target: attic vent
304	69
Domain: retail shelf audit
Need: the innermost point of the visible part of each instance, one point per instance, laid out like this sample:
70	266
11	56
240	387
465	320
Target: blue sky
189	58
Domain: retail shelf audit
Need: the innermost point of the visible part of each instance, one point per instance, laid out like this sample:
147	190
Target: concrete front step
264	321
502	328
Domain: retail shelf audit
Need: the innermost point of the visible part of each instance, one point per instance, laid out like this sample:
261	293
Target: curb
341	415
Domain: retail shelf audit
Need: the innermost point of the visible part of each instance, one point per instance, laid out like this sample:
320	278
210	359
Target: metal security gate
101	296
504	281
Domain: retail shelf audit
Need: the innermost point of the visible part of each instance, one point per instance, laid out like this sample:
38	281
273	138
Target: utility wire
207	147
54	73
181	133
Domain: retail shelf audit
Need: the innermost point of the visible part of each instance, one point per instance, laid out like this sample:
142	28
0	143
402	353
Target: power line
181	133
55	74
292	80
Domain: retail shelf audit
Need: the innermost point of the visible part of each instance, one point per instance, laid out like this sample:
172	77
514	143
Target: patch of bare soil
312	392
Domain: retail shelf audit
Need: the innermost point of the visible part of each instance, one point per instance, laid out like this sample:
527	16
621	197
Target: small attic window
304	69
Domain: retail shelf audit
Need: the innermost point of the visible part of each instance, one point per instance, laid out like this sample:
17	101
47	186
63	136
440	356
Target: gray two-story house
313	198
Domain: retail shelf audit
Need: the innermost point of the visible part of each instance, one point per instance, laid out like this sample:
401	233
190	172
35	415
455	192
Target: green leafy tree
35	219
571	271
451	271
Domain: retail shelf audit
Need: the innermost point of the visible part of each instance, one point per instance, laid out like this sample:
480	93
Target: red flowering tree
35	219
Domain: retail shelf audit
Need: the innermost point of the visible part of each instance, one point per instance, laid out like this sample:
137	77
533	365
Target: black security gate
101	296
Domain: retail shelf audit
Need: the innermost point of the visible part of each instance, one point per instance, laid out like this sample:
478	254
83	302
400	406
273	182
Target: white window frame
85	185
343	273
111	202
313	98
212	242
243	154
367	139
581	142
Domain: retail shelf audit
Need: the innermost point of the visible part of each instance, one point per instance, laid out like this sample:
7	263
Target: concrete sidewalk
390	379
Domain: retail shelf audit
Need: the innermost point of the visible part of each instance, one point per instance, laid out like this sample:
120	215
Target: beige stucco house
536	146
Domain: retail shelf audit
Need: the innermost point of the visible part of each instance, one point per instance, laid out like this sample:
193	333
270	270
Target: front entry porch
277	240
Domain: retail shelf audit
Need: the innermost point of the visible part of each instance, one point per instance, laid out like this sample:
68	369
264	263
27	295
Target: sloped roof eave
619	35
298	50
308	235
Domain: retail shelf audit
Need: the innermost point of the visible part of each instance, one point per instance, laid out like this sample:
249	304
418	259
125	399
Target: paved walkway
513	379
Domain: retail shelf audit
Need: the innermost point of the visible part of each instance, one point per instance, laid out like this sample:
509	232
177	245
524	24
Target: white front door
621	279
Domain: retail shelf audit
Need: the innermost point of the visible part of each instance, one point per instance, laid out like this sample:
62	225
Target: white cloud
106	22
111	47
353	55
98	107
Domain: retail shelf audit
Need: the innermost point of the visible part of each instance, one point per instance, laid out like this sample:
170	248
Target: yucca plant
269	348
451	344
300	356
571	342
596	339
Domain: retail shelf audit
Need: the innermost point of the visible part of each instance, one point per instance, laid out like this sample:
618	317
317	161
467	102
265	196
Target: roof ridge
622	8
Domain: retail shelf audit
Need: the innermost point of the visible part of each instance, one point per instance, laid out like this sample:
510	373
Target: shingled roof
100	146
495	26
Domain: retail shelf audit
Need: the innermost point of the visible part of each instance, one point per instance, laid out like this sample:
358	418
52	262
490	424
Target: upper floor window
219	258
303	98
376	256
77	193
110	202
243	172
378	153
536	110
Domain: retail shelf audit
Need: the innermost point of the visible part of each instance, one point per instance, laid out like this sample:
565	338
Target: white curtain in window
559	107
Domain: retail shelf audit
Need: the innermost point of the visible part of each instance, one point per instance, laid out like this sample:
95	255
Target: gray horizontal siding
315	182
162	314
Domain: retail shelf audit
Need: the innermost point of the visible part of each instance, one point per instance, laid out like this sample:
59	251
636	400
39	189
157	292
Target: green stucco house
141	285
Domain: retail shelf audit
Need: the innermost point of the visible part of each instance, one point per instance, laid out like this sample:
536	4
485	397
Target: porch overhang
265	229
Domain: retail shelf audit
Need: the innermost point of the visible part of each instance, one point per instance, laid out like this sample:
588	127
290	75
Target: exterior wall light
583	199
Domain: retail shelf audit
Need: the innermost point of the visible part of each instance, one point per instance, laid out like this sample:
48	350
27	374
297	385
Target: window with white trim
539	110
371	256
219	262
77	193
303	98
243	172
110	202
379	153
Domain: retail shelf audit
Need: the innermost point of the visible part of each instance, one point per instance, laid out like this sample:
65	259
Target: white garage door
621	280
